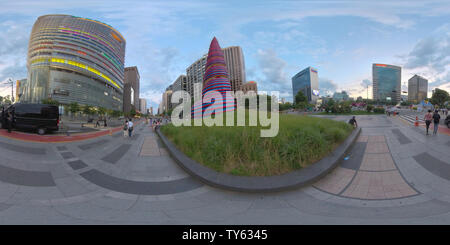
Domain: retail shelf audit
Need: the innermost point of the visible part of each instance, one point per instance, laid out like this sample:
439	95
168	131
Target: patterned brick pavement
376	179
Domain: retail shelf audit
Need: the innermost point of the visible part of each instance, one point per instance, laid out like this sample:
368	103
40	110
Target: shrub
369	108
378	110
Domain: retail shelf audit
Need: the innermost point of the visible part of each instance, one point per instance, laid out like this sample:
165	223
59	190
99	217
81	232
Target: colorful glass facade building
74	59
306	81
386	82
215	81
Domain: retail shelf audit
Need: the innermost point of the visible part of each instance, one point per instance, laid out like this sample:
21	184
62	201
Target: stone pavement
393	175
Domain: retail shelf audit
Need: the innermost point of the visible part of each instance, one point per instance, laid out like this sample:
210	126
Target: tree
329	106
132	112
285	106
7	100
101	111
439	97
300	97
88	110
49	101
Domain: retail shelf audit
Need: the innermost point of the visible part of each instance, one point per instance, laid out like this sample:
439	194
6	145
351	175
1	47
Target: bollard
416	123
110	131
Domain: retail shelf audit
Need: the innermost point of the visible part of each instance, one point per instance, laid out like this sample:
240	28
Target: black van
37	117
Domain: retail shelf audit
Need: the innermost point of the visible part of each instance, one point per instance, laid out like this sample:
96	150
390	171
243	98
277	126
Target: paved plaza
393	174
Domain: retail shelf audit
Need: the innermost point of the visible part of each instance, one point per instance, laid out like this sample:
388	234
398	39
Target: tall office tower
194	74
234	58
74	59
215	79
131	89
306	81
143	106
417	89
249	86
166	105
180	84
386	82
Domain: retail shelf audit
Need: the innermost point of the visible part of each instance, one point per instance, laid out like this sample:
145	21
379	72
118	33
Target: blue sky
279	38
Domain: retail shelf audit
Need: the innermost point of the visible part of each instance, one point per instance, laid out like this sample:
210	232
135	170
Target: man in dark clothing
353	122
436	118
10	121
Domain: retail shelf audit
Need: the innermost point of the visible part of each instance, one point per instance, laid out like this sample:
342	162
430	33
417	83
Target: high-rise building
249	86
150	111
306	81
180	84
131	89
417	89
143	106
386	82
166	105
75	59
194	74
234	60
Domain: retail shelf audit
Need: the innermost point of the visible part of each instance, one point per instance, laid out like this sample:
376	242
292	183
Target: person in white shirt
130	128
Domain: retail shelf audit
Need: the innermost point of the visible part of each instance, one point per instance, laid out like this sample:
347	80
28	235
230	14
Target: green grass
355	113
301	141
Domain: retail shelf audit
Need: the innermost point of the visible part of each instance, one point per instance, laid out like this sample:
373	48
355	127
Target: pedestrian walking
9	121
427	119
130	128
125	129
436	119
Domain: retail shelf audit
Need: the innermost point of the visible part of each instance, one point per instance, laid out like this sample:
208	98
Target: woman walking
427	119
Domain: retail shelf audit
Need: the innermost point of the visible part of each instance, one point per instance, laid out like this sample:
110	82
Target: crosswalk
412	119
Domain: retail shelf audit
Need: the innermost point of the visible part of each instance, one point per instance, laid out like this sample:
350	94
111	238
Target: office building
194	74
306	81
386	82
417	89
143	106
166	105
131	89
249	86
75	59
234	60
180	84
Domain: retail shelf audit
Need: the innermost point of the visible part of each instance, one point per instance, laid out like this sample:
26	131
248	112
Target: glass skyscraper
74	59
306	81
386	82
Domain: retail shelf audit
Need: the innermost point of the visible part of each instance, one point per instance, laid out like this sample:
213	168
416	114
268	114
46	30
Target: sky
341	39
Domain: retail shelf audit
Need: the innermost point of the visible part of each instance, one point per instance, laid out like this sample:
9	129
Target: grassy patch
301	141
354	113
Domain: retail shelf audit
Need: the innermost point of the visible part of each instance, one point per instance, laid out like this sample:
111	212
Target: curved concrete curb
287	181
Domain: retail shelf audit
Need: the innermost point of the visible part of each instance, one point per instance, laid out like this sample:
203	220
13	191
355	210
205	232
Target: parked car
447	121
40	118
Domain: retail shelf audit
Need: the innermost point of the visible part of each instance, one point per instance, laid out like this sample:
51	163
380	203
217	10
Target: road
393	175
